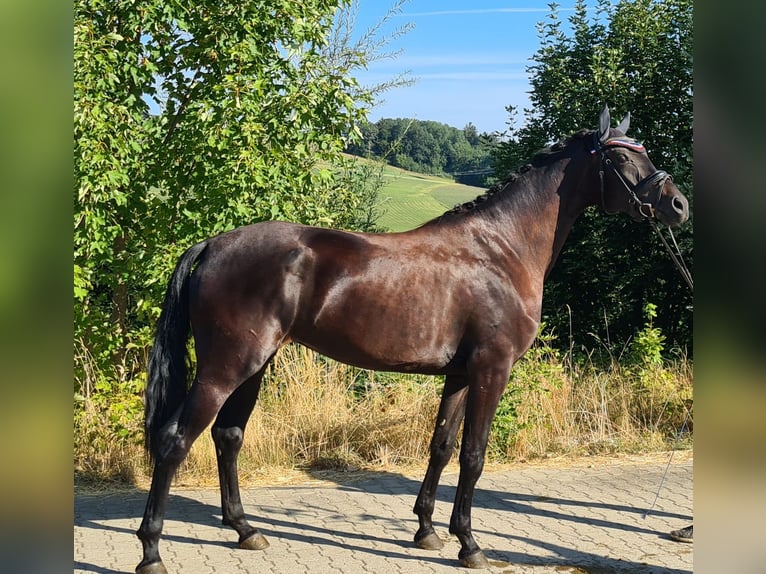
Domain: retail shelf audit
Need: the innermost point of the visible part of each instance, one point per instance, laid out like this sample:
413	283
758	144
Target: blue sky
469	59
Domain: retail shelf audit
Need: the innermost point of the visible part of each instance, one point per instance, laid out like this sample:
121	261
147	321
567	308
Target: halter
658	178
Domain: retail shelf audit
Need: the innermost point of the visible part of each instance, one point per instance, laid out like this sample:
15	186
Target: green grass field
410	199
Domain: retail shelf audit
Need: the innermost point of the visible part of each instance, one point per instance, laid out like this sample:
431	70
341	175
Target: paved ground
529	519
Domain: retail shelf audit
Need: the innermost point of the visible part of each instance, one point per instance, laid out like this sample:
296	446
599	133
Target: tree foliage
192	118
635	56
427	147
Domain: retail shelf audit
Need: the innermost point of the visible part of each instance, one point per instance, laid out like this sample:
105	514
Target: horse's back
263	271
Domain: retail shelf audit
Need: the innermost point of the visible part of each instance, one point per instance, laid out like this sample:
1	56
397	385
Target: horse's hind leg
197	412
228	433
451	411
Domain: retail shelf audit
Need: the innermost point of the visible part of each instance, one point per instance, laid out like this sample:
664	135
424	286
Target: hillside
410	199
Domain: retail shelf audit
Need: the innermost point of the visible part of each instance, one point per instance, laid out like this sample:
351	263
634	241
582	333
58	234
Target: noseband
658	178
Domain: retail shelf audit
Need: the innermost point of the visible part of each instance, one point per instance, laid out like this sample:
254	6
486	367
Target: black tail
167	382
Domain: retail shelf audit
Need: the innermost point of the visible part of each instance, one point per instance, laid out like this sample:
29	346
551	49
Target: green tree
427	147
192	118
471	134
635	56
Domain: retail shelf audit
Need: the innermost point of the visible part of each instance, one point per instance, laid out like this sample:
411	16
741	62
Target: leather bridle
656	179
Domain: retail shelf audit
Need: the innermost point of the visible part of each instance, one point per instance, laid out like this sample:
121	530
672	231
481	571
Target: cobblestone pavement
529	519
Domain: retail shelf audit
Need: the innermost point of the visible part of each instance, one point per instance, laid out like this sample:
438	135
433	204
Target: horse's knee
441	452
472	460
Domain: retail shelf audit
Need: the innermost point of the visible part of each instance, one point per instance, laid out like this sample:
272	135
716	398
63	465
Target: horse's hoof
429	541
255	541
475	560
153	568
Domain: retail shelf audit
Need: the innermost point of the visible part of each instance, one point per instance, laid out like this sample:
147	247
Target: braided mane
542	157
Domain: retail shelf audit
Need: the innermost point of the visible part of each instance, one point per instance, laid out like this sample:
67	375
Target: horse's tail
167	383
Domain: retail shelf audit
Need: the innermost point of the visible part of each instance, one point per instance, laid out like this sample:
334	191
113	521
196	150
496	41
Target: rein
675	256
658	178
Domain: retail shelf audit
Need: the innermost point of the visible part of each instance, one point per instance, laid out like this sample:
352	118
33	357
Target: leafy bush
539	372
658	401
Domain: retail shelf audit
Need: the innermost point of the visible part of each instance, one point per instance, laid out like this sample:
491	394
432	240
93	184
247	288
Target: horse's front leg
484	392
451	411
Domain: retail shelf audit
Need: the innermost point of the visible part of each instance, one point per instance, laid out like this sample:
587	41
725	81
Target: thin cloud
419	61
480	11
474	76
465	60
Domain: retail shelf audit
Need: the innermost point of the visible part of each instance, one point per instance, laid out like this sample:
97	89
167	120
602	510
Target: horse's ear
604	121
624	124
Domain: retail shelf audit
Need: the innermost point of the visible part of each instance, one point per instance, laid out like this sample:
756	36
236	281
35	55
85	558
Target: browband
630	144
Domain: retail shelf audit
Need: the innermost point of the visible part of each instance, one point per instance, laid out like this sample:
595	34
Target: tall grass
314	412
555	406
320	413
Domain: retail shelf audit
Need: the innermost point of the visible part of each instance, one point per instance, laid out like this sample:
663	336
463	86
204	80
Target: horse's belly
380	341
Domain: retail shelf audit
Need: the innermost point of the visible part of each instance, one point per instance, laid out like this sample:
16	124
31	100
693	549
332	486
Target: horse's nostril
679	205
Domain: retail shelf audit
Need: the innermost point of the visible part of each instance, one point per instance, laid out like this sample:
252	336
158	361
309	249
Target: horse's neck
564	223
537	228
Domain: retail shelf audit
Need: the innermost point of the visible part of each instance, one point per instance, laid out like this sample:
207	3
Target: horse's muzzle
672	209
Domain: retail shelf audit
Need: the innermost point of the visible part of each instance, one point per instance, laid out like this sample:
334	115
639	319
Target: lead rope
667	466
686	274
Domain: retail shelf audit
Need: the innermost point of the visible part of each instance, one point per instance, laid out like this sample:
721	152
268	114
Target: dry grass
309	415
101	450
586	411
318	413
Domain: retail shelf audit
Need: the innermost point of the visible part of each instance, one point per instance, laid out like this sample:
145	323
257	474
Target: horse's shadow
528	504
96	511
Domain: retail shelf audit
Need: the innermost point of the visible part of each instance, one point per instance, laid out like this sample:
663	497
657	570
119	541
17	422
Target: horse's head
628	179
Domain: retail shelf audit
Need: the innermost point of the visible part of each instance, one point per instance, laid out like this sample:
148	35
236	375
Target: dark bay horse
460	296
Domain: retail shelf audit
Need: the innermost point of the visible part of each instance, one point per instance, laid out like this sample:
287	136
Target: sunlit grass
411	199
317	413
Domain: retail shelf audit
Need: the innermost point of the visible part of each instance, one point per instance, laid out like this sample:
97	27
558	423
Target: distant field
411	199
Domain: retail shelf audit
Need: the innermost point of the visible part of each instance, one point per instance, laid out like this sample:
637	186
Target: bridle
656	179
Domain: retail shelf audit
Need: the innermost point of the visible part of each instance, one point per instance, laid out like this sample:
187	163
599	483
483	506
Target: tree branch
181	109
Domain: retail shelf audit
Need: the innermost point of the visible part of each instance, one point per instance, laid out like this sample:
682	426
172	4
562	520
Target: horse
459	296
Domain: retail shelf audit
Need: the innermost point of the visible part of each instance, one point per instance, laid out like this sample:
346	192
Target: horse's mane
541	158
